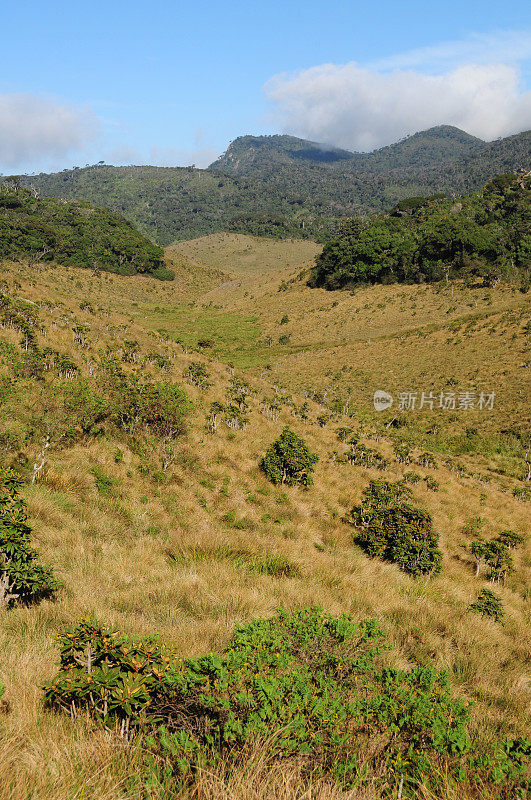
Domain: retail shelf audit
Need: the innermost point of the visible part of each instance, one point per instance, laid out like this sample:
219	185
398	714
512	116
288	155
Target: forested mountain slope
484	234
73	233
283	186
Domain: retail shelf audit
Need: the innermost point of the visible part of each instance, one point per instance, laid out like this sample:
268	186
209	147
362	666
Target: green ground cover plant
314	685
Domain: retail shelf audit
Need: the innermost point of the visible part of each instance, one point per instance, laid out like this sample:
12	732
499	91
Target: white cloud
477	48
35	129
361	108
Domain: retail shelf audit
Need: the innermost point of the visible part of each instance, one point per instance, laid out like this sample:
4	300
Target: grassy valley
183	458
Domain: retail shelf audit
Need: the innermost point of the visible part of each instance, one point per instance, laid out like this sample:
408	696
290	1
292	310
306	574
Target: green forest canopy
282	186
485	233
73	233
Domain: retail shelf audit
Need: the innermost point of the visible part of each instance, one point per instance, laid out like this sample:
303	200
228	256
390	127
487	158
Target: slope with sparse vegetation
139	439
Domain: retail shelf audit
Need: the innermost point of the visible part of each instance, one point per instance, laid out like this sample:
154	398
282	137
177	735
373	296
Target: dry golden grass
244	256
157	557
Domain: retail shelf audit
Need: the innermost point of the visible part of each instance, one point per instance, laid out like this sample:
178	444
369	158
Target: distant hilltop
283	186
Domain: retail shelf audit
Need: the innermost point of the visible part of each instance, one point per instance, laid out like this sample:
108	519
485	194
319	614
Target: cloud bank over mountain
363	107
35	128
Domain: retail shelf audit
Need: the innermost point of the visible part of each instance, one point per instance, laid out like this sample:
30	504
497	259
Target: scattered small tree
22	578
197	374
495	555
214	414
488	604
391	528
289	460
402	453
344	433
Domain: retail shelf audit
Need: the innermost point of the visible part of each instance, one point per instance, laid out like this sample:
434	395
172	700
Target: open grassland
343	346
244	255
211	543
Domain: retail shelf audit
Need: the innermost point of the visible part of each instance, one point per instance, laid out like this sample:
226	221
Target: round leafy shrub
488	604
163	274
389	527
496	555
22	578
289	460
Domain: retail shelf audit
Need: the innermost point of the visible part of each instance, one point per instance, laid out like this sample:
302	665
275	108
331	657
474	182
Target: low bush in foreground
312	685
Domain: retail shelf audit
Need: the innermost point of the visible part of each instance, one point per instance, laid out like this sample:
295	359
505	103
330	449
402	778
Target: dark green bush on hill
22	578
75	234
289	460
389	527
312	685
488	604
485	234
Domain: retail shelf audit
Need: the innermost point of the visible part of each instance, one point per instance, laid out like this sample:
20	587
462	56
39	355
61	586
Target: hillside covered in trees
485	233
73	233
283	186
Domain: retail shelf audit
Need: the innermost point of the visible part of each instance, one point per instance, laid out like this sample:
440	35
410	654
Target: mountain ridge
283	195
323	153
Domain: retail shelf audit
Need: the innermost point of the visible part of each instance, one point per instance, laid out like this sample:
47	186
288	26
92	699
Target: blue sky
173	83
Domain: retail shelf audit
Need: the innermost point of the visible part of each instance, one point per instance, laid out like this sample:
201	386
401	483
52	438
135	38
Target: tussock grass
162	555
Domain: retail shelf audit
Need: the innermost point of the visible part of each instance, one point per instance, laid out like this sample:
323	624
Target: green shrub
311	684
22	578
431	483
289	460
197	374
522	494
135	404
510	539
427	460
488	604
412	477
402	453
163	274
473	526
495	555
343	434
391	528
